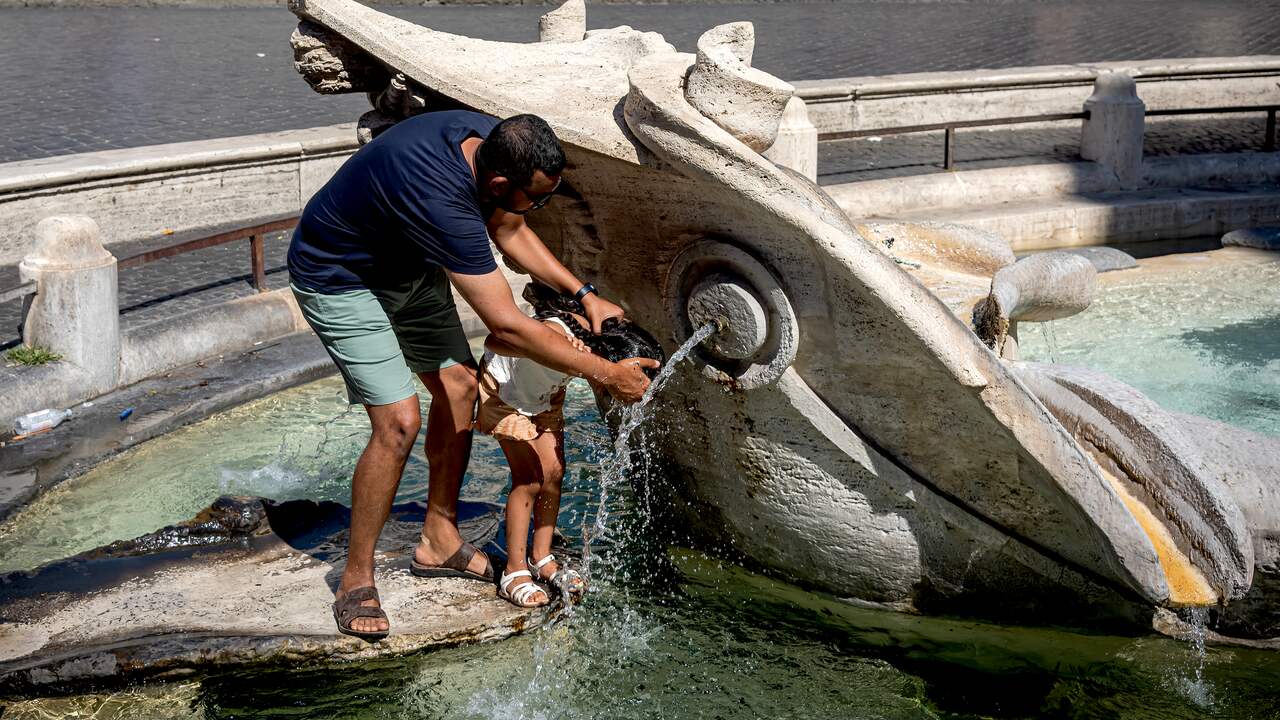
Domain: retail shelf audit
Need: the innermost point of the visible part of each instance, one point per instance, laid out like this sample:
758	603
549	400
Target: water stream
614	472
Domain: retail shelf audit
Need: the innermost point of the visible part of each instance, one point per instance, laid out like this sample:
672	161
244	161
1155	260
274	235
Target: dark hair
520	146
619	339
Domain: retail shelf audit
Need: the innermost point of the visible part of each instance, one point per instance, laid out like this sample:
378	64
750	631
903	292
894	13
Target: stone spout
844	428
1047	286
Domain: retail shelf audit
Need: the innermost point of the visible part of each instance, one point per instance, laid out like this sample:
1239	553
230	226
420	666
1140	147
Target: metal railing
17	291
949	128
257	253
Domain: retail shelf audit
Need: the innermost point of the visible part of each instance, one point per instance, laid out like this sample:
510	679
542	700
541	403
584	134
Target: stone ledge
1041	75
247	580
160	405
42	173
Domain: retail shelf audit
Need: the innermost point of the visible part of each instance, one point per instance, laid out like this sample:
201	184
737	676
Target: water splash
575	648
615	469
1193	685
1050	340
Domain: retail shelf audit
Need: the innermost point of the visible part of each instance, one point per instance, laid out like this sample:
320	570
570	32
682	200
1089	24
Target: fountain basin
865	441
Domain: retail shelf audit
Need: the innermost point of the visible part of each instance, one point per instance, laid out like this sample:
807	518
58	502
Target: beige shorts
495	417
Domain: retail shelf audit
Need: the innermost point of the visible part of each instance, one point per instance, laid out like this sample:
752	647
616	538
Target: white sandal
520	597
566	579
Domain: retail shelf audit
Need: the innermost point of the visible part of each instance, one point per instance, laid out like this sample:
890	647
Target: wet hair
619	338
520	146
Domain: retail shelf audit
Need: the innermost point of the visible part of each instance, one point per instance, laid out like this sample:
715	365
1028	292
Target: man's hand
519	243
598	310
628	382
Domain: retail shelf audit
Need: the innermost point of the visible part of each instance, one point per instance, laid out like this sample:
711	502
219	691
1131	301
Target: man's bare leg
448	449
373	489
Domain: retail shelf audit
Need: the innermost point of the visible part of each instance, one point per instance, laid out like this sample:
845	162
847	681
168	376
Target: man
371	263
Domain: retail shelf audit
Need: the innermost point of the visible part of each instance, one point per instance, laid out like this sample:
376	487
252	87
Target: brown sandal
455	566
349	608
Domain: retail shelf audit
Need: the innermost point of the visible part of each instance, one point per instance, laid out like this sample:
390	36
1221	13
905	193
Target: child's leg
526	482
546	509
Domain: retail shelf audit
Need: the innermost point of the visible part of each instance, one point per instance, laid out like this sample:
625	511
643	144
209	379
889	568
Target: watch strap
585	291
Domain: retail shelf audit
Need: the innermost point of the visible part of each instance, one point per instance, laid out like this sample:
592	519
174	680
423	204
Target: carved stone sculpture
845	428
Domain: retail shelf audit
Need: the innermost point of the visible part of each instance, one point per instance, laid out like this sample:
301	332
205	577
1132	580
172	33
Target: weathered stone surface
722	85
332	64
951	246
1262	238
247	580
796	145
1147	447
1104	259
870	443
1249	465
869	339
1047	286
567	23
757	333
481	74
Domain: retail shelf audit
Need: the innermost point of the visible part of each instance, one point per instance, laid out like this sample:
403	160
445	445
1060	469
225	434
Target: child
522	406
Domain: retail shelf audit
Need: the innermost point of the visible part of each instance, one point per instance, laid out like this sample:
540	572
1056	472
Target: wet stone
247	580
1262	238
1104	259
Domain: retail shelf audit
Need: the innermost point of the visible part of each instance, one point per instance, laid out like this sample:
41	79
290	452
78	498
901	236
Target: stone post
567	23
797	143
75	311
1112	134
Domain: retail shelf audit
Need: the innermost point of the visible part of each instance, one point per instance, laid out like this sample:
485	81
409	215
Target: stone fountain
854	426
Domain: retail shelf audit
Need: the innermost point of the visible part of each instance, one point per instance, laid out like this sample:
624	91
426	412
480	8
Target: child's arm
498	347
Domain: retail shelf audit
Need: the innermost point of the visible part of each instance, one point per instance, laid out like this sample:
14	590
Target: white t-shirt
523	383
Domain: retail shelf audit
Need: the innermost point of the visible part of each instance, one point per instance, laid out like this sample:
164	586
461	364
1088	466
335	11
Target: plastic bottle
39	420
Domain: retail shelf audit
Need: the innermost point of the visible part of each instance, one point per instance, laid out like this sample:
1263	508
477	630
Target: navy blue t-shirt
401	204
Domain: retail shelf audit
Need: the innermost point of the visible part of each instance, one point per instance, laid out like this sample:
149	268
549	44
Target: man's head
519	164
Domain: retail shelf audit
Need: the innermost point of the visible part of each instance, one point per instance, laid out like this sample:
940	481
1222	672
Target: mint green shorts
380	337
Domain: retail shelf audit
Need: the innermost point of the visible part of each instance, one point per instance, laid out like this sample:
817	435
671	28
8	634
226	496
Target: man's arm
490	296
516	240
496	346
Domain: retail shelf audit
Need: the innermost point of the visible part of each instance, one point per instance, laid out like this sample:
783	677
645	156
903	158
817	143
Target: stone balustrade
74	312
139	193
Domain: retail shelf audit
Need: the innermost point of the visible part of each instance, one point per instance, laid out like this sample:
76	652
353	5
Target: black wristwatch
585	291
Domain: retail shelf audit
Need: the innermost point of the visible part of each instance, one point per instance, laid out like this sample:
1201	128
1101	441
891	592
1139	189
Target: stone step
1117	217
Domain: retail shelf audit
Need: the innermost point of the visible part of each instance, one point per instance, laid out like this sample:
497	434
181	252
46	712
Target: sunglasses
540	201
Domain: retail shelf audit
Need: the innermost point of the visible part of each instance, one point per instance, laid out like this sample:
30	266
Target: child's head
619	338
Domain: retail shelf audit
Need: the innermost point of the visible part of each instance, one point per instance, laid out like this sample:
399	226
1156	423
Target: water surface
1197	332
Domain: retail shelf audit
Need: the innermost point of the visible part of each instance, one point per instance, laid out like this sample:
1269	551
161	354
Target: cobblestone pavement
79	79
